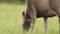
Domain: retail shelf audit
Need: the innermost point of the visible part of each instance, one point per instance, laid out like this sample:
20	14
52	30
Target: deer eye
28	16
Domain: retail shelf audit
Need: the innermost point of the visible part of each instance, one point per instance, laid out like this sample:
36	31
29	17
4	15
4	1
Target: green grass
11	21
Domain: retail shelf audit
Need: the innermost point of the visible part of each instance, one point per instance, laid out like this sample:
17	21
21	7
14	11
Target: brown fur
41	8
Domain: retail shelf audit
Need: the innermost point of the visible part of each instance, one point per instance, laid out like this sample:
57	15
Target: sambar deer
40	8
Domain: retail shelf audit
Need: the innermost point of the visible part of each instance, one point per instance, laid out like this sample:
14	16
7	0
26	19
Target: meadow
11	20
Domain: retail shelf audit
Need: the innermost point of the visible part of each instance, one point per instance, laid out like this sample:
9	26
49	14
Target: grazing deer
40	8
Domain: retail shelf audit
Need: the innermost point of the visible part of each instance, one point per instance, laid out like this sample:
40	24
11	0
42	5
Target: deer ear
23	14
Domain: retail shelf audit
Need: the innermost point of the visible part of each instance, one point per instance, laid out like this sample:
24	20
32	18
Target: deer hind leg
45	23
59	24
58	14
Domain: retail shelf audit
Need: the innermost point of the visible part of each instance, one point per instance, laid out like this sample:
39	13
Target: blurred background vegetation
14	1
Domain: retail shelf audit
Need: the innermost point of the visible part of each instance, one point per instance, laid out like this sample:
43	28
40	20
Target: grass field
11	21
